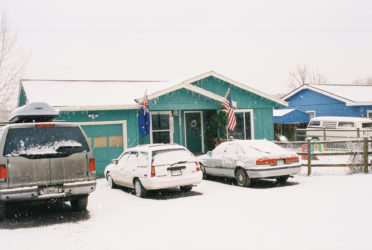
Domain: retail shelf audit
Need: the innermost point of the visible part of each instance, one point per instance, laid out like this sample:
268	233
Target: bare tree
12	65
304	74
365	81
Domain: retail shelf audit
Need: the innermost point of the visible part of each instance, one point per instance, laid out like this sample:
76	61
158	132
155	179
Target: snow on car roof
157	146
260	144
60	93
341	118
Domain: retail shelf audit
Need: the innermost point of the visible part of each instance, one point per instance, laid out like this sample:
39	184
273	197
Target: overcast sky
255	42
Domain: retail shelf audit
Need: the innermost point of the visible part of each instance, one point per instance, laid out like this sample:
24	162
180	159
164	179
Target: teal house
179	111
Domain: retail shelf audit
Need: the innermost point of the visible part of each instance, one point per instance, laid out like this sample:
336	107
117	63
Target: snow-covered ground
329	211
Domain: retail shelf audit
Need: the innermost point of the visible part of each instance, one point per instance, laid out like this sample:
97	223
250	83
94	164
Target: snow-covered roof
352	95
101	95
281	112
73	94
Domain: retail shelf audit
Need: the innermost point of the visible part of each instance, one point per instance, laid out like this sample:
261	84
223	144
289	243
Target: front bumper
273	171
171	181
43	193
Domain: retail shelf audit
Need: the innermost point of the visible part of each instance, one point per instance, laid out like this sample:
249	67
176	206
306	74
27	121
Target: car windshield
171	156
40	142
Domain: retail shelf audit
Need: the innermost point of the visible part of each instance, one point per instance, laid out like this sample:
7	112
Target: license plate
49	190
176	172
280	162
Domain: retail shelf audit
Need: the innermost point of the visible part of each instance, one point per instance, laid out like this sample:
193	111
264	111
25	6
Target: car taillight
2	173
266	161
197	166
92	166
291	159
153	172
44	125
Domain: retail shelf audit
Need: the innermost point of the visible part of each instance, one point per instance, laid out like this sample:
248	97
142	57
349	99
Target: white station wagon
246	160
154	166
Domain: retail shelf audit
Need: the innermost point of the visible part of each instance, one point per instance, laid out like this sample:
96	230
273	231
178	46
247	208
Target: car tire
110	181
2	210
80	203
185	189
139	190
242	179
202	168
282	179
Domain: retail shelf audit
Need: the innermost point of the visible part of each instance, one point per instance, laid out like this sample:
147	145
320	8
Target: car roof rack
33	112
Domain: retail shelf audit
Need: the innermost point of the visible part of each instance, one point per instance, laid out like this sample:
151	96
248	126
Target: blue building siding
309	100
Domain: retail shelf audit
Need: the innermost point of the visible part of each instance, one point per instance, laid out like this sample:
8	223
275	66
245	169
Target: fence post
365	154
358	133
295	133
308	157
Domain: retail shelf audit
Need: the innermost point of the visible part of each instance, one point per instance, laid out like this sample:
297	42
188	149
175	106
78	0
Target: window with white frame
311	113
161	127
244	125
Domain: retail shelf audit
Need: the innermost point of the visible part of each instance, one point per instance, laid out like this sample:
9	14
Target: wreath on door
193	124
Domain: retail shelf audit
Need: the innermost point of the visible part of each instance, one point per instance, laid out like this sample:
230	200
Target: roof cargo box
33	112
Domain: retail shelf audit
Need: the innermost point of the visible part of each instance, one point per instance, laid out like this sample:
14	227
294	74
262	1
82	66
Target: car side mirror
115	161
209	153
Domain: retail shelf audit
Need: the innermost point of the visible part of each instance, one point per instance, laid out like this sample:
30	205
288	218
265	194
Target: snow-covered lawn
318	212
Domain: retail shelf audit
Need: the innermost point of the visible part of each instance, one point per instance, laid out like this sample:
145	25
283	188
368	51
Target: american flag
227	104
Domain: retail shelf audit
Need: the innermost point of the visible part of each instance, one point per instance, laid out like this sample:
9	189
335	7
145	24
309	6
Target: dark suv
44	160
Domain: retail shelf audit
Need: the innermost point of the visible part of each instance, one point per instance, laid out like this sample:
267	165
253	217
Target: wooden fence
361	148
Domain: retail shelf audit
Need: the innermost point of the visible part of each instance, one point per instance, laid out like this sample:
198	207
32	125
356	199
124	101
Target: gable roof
187	83
352	95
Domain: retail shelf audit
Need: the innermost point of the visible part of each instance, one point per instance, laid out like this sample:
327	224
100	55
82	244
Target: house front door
194	131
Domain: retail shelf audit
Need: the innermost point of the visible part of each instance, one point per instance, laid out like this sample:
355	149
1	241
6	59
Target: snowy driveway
318	212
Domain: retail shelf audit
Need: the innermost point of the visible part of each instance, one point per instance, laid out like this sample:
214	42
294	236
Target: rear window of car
45	141
170	156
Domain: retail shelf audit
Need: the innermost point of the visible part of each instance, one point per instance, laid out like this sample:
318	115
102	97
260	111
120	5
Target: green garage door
107	143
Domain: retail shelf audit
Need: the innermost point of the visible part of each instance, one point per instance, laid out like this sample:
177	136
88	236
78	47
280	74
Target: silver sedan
246	160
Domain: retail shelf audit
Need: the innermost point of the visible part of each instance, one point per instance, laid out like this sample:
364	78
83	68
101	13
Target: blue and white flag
144	117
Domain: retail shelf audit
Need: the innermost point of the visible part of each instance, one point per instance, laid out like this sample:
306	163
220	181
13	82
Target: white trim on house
188	85
122	122
201	127
318	88
171	125
89	108
252	122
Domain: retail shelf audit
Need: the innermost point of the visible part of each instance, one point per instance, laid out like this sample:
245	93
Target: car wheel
186	189
282	179
242	178
139	190
202	168
80	203
2	210
110	181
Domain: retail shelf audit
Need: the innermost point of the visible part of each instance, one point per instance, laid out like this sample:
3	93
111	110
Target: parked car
247	160
42	161
154	166
332	128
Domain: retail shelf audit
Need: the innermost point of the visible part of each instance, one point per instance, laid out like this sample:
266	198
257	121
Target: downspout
180	126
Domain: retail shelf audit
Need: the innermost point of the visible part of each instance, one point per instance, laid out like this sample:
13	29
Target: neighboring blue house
321	100
332	100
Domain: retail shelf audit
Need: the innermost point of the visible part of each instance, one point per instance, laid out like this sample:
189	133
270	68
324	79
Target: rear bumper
173	181
265	172
37	193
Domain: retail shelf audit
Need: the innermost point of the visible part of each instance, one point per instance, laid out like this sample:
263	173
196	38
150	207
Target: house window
161	127
369	113
244	125
311	113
